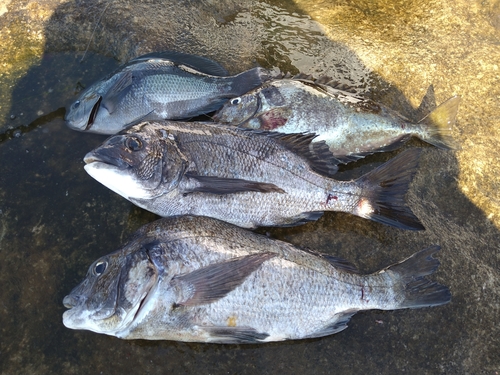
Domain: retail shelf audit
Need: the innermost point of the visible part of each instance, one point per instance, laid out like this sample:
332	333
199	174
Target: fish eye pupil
133	144
77	104
235	101
100	267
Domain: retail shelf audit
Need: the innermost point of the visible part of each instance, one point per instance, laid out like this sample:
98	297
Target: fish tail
248	80
438	125
384	190
412	289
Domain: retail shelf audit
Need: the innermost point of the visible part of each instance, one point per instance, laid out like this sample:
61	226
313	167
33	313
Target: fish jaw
82	318
78	115
118	180
94	308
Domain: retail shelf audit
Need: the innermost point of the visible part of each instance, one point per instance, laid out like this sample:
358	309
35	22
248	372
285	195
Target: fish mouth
106	156
93	113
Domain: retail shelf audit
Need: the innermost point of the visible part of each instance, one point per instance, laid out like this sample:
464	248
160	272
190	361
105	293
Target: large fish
168	85
352	126
200	279
245	177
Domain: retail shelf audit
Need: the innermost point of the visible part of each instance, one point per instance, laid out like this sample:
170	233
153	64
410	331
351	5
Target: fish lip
102	156
70	301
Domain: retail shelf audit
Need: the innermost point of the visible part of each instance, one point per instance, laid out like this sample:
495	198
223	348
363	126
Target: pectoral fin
215	281
117	92
219	185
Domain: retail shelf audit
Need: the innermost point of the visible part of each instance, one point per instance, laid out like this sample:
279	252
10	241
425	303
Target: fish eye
100	267
133	143
76	104
235	101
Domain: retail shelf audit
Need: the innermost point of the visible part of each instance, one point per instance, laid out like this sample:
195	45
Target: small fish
353	127
203	280
245	177
168	85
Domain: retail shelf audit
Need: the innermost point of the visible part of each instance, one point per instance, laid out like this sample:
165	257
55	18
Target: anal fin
235	335
339	325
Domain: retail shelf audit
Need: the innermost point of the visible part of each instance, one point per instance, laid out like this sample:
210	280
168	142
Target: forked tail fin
438	125
413	289
384	191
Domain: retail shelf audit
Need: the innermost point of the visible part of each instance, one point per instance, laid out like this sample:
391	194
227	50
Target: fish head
83	112
142	162
114	290
237	111
246	111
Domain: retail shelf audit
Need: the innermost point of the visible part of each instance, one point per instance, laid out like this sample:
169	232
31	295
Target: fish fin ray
317	154
303	218
117	91
419	291
386	187
340	263
235	335
248	80
200	63
439	124
215	281
219	185
394	144
336	327
427	105
337	262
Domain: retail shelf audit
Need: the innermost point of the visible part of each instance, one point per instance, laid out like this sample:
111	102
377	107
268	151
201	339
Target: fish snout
71	301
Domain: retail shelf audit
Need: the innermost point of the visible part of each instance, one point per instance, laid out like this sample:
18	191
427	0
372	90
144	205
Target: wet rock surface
55	220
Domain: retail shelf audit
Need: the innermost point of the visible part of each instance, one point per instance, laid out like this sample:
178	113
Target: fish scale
352	126
167	85
208	281
249	178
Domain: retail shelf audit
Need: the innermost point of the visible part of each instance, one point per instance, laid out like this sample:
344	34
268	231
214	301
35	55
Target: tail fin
248	80
438	124
384	191
415	290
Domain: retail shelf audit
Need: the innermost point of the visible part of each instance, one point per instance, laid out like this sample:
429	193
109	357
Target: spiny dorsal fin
200	63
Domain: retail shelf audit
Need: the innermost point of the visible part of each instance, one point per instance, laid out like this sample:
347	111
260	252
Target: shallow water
55	220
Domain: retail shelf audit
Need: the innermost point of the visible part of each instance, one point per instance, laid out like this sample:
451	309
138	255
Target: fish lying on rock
352	126
245	177
200	279
168	85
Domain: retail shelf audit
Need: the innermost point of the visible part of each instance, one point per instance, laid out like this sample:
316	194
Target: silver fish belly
248	178
167	85
200	279
353	127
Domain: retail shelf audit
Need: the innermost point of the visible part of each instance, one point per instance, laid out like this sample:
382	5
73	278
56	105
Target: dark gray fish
168	85
200	279
351	126
245	177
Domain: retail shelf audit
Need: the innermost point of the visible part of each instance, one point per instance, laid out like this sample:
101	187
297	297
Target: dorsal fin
317	154
199	63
